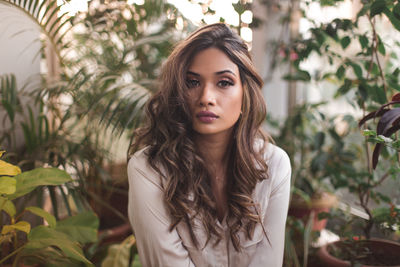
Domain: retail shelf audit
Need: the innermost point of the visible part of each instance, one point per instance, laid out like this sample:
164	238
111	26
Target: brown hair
172	151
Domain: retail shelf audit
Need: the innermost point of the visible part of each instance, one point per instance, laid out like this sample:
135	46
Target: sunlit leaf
7	185
28	181
50	219
7	206
119	254
8	169
20	226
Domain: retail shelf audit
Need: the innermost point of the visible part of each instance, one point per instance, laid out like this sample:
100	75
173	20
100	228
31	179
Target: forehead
212	60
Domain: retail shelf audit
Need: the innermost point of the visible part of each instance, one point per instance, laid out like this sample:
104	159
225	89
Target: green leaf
81	228
381	47
8	169
345	41
20	226
377	7
28	181
319	140
119	254
300	75
88	219
362	90
50	219
395	21
369	133
377	94
396	11
7	185
7	206
363	41
357	70
42	237
344	88
340	72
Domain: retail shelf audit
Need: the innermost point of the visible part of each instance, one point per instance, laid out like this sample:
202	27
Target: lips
206	116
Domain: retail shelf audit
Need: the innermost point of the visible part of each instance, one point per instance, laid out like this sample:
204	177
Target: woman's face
215	92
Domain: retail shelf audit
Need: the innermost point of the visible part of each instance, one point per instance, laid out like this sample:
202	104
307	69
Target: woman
205	186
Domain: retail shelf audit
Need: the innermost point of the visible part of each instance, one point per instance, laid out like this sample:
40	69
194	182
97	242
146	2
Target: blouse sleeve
271	252
150	221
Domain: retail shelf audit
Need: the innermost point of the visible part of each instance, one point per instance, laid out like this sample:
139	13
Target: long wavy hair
168	134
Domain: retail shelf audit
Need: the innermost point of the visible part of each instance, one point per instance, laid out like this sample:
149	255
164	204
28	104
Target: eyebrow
217	73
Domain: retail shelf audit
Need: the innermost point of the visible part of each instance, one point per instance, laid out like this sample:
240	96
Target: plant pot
319	203
383	250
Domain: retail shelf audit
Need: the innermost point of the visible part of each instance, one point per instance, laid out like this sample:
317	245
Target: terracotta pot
320	203
391	250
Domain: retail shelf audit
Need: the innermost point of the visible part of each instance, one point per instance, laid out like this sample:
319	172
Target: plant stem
375	52
11	254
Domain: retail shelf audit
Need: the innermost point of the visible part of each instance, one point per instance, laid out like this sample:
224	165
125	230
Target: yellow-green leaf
28	181
7	185
2	152
50	219
7	206
8	169
20	226
119	254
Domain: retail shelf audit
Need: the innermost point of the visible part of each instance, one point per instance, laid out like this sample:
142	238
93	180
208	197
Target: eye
225	83
191	83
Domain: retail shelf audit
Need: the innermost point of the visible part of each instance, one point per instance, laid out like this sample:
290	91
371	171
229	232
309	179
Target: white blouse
158	246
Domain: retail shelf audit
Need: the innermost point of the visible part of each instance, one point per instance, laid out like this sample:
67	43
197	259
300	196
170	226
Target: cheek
237	103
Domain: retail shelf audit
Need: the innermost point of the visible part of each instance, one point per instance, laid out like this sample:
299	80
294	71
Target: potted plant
56	242
357	65
314	145
374	252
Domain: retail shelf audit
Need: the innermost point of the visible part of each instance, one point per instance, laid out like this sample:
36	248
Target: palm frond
46	15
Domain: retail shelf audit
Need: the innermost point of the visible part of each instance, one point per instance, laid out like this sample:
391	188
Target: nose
207	95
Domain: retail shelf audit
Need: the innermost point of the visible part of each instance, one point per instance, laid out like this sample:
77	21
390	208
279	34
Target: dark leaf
396	11
363	41
340	72
357	70
387	120
344	88
377	7
396	97
372	115
345	41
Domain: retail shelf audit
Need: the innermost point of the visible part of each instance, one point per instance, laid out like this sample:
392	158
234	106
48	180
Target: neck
214	150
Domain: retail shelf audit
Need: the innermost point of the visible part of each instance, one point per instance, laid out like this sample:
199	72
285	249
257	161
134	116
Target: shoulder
138	159
139	169
279	168
276	157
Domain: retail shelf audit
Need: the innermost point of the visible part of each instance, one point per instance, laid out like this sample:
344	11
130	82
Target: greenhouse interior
75	79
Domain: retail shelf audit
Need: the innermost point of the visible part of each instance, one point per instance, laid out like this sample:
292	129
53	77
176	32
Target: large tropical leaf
120	254
28	181
81	228
42	237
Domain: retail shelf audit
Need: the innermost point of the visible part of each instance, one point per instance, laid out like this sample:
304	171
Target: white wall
275	89
19	51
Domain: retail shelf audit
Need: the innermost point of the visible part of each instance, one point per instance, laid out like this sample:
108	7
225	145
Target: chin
209	131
